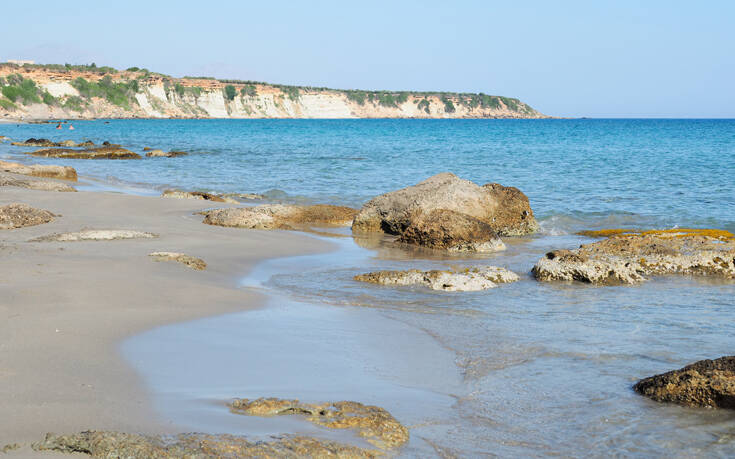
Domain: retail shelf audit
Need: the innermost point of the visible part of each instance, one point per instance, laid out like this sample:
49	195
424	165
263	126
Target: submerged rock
35	184
102	152
469	280
95	235
192	262
201	195
373	423
627	258
505	209
40	170
280	216
452	231
163	154
22	215
101	444
707	383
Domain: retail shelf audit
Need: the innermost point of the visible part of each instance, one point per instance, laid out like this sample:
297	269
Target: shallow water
525	370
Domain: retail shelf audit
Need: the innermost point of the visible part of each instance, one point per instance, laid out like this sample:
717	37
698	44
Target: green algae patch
677	232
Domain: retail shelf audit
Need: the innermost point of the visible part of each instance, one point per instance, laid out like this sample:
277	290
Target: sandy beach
66	305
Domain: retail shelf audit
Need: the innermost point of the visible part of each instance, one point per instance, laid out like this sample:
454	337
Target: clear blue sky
565	58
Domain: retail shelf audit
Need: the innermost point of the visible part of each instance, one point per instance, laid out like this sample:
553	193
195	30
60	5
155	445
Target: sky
565	58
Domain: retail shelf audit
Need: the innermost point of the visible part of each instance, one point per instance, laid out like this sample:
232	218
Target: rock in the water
201	195
163	154
279	216
36	143
4	138
373	423
469	280
34	184
627	258
21	215
506	210
40	170
192	262
95	235
707	383
452	231
108	445
246	196
102	152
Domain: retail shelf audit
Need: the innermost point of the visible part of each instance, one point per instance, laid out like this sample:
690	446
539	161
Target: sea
527	369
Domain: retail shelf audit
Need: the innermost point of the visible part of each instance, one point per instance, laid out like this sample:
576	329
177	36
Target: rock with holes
373	423
707	383
40	170
627	258
187	260
280	216
200	195
468	280
505	209
21	215
95	235
106	444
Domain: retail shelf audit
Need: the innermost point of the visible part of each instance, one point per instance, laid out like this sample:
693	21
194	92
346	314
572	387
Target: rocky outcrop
280	216
505	210
187	260
34	184
629	257
452	231
95	235
469	280
373	423
108	445
35	143
201	195
164	154
93	152
21	215
707	383
40	170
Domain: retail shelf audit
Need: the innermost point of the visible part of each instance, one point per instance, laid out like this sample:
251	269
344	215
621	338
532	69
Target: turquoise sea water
525	370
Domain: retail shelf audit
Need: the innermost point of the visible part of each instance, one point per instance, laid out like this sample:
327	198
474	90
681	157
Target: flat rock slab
165	154
101	152
629	257
707	383
280	216
373	423
469	280
191	262
40	170
105	444
200	195
95	235
34	183
21	215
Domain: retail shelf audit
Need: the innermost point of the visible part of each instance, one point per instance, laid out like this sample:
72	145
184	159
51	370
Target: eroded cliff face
40	92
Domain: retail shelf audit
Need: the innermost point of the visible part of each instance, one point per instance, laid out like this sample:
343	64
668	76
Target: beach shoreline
61	367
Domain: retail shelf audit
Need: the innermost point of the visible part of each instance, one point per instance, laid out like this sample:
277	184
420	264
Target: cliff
83	92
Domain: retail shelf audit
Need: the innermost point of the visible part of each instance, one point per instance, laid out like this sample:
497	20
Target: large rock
707	383
118	445
34	183
40	170
506	210
452	231
628	258
373	423
101	152
469	280
280	216
21	215
200	195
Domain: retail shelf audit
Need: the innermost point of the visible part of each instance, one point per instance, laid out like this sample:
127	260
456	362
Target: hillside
83	92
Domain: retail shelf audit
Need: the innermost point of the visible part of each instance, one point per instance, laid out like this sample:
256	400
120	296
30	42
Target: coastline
61	369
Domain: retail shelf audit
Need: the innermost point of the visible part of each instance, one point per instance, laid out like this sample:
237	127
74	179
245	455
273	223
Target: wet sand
66	306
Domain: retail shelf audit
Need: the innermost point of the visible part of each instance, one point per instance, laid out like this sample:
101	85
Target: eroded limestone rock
373	423
707	383
22	215
34	184
192	262
468	280
40	170
628	258
280	216
95	235
452	231
505	209
164	154
109	151
201	195
105	444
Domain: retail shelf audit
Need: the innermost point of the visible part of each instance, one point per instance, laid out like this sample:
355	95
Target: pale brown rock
629	258
40	170
468	280
279	216
95	235
103	152
109	445
392	212
201	195
34	183
35	143
452	231
373	423
21	215
191	262
707	383
163	154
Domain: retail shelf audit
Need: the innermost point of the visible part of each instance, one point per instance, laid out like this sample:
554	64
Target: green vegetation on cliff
120	94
